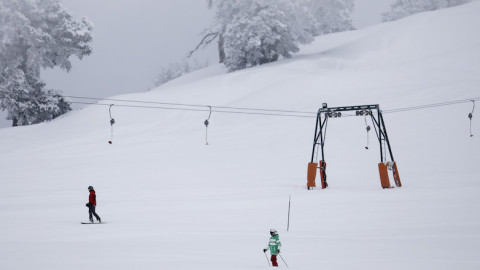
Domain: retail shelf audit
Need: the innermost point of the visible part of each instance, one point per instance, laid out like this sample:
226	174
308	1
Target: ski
92	223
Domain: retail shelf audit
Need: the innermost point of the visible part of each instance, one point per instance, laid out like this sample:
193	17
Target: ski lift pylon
325	113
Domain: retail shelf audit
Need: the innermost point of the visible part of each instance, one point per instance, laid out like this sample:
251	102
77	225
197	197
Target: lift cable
239	110
192	105
427	106
197	110
287	113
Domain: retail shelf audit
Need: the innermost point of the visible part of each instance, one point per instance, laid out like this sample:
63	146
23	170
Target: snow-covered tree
331	15
259	32
36	34
27	101
404	8
254	32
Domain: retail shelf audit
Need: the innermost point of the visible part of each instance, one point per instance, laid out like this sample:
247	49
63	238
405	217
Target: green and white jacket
274	245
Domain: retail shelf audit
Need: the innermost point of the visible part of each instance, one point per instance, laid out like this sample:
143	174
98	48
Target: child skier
92	203
274	245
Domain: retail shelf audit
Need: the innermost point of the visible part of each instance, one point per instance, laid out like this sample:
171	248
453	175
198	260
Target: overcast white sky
133	39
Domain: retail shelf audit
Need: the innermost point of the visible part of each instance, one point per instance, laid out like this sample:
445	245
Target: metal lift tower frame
375	113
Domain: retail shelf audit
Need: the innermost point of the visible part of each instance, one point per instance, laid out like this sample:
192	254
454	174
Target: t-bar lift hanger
112	121
470	116
206	125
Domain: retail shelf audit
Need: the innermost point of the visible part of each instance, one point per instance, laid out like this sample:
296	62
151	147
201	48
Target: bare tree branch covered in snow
255	32
404	8
35	35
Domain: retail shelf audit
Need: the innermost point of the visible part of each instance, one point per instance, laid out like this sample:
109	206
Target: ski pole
267	258
283	260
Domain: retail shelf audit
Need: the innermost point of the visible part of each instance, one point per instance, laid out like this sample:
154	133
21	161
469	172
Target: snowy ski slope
172	202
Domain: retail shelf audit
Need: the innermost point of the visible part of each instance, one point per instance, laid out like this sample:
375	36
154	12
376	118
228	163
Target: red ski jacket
92	198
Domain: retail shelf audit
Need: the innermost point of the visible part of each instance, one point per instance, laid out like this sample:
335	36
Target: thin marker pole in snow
288	221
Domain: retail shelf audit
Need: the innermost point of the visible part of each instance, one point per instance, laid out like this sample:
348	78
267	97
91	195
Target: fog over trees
404	8
40	34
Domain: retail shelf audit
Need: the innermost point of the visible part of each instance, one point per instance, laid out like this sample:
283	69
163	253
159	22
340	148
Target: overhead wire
419	107
283	112
428	106
196	110
246	110
192	105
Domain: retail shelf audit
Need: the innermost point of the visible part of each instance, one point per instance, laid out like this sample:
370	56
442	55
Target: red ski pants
274	260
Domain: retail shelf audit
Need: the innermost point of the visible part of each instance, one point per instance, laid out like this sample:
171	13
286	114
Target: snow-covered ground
172	202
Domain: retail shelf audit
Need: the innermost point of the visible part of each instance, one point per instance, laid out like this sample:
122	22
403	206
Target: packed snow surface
172	202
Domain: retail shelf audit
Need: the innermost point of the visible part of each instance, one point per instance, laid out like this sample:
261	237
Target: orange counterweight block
311	175
383	169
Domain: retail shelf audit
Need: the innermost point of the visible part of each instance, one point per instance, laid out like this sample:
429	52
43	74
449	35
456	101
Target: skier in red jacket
92	204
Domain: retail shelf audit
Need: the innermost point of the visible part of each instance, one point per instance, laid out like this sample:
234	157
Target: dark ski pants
91	210
274	261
